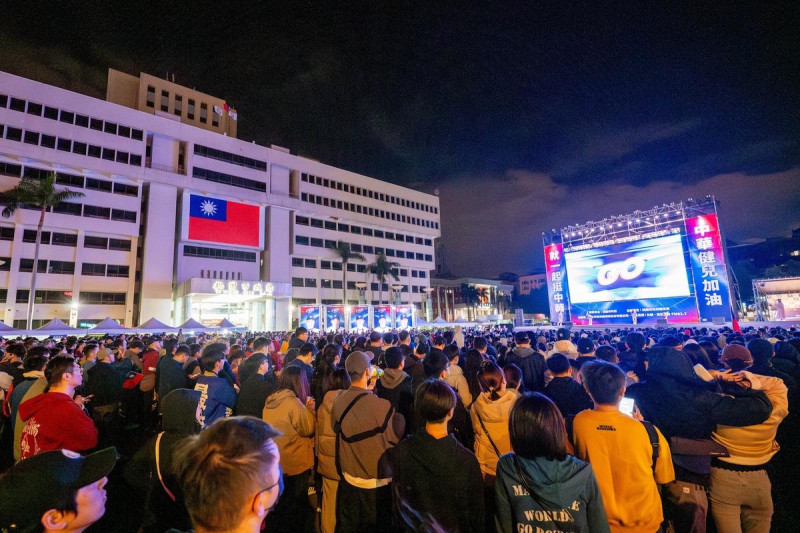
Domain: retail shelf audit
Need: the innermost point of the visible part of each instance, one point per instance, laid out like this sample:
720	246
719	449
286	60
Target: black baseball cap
47	481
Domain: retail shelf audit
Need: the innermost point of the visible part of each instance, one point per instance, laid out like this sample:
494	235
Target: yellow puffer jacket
755	445
494	415
326	438
286	413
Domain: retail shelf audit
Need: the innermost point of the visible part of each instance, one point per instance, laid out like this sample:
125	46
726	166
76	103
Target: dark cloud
495	223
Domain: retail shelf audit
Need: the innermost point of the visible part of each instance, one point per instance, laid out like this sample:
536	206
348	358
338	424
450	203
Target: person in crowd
431	464
262	345
235	358
456	378
687	410
300	338
89	357
192	367
257	384
473	361
230	475
365	426
135	347
290	410
413	364
636	342
11	362
148	383
787	359
54	420
489	415
104	387
171	374
325	448
55	491
217	395
630	458
607	353
586	352
740	490
304	361
438	367
698	355
568	395
513	375
531	362
163	509
328	360
33	369
763	353
395	385
539	475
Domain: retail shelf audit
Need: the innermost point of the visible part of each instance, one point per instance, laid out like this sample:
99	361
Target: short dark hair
513	375
250	366
433	400
393	357
260	343
403	335
35	361
136	344
434	363
537	429
479	343
57	367
300	331
388	337
451	351
635	341
306	348
558	363
194	348
606	353
521	337
210	358
439	341
183	349
222	467
604	381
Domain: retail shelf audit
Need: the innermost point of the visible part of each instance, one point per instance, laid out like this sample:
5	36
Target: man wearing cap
530	362
365	426
55	491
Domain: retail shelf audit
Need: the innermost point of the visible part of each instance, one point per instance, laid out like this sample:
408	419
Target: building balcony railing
164	168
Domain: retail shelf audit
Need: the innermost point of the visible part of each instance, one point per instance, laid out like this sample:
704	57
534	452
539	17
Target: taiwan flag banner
223	221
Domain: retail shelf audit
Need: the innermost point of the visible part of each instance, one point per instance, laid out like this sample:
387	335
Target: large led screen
648	269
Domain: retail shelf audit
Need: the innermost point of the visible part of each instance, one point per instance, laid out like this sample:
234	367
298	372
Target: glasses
279	484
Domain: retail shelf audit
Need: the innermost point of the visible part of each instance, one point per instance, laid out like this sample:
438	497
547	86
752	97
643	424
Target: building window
117	271
297	282
203	112
95	242
119	244
151	96
164	100
102	298
110	127
178	105
31	137
310	263
94	211
123	215
190	109
6	233
218	253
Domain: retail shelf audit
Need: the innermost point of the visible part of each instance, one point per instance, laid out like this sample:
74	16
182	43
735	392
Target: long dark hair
294	379
537	428
472	366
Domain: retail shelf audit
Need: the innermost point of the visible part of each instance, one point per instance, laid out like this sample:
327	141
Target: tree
381	269
482	296
470	295
42	195
346	255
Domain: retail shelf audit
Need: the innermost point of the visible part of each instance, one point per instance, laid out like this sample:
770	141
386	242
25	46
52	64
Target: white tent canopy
155	326
56	327
194	325
227	324
109	325
8	331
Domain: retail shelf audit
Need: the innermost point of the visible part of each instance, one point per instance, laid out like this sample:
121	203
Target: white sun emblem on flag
208	208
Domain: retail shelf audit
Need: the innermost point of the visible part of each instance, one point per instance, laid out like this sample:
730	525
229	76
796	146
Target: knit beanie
736	351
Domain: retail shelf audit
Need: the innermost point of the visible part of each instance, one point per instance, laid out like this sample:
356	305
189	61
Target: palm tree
346	255
470	295
42	195
382	268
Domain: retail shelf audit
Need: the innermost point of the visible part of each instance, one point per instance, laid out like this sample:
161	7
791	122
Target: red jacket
53	421
149	362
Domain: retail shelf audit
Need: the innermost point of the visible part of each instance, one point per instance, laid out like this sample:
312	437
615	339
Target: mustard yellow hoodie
755	445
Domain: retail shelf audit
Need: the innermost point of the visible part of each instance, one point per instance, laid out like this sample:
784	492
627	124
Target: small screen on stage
648	269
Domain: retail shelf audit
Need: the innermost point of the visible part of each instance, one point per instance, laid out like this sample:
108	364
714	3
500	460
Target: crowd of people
463	430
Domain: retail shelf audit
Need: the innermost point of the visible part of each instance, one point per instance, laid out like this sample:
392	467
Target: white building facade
126	249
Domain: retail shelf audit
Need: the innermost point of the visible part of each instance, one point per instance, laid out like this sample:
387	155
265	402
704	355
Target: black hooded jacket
179	420
427	473
681	404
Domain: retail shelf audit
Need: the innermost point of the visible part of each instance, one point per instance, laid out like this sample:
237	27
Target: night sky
523	116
